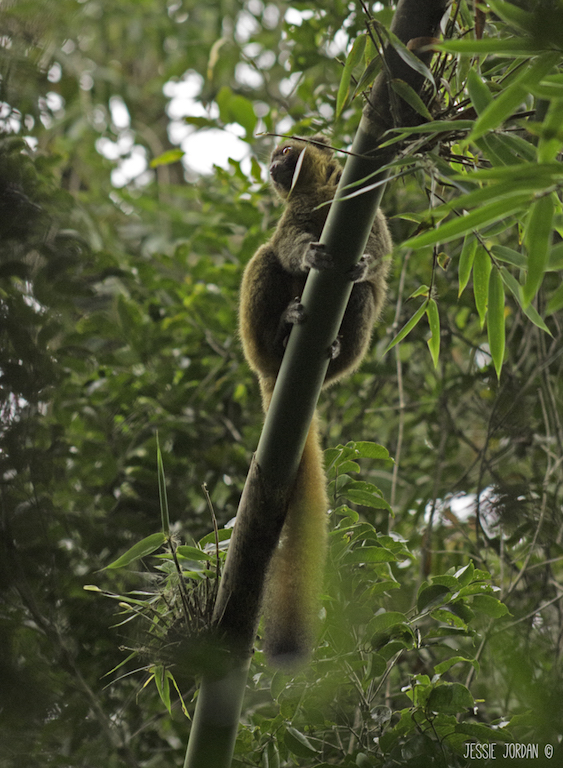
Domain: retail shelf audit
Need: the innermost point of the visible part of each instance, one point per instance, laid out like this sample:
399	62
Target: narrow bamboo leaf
495	320
520	147
481	275
510	98
537	237
504	189
555	261
513	15
411	59
466	261
407	328
516	289
548	172
142	548
478	91
502	253
498	151
164	513
556	302
556	78
434	323
422	290
163	686
513	46
369	74
180	697
487	214
438	126
370	52
192	553
547	90
411	97
551	138
352	61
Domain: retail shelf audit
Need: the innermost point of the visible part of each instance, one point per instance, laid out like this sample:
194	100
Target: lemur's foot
317	257
294	313
359	271
335	349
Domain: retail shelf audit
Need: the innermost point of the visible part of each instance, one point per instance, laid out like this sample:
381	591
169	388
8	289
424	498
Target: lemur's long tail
295	574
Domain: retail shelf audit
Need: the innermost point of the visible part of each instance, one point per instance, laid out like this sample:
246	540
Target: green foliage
118	294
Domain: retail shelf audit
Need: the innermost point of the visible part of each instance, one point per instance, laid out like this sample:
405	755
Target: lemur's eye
285	150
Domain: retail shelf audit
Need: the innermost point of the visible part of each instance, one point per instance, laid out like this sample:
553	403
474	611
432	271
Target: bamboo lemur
272	280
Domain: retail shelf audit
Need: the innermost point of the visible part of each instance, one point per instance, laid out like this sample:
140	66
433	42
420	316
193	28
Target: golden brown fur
273	278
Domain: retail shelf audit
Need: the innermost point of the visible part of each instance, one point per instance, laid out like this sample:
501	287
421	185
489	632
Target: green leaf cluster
118	301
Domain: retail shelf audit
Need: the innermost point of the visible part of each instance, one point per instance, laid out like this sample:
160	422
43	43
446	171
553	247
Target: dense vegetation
120	260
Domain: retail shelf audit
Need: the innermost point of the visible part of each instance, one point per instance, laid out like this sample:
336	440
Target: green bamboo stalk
264	500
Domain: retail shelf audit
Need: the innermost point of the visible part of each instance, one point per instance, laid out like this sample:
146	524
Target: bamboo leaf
407	328
513	46
411	59
478	91
436	126
164	513
555	303
163	686
192	553
497	150
502	253
466	261
352	61
480	217
373	68
550	173
537	237
180	697
411	97
516	289
520	147
495	320
504	189
555	261
142	548
551	137
481	275
434	323
422	290
547	90
512	96
513	15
